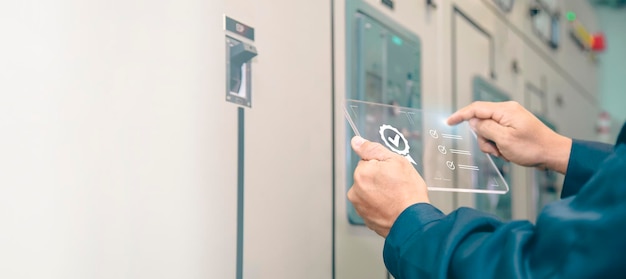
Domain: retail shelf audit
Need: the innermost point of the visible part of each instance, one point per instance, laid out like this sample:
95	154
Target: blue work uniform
583	235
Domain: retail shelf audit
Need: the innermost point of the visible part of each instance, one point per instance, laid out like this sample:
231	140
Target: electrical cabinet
497	204
385	70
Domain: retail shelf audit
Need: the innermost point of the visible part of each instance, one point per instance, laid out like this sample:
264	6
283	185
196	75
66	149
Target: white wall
110	164
119	152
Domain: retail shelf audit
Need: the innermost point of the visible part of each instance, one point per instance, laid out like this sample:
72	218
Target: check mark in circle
442	149
450	165
395	141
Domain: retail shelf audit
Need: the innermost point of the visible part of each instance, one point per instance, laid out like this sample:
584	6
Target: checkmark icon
395	140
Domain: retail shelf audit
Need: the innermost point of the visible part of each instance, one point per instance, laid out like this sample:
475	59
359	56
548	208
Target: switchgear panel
499	205
384	68
386	65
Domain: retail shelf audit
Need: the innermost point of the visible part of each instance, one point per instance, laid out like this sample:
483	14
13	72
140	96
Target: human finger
489	129
482	110
488	146
368	150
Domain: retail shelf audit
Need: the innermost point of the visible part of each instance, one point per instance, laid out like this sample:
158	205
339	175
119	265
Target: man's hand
509	131
385	184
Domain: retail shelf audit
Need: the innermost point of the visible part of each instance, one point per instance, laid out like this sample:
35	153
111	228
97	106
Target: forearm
557	154
574	238
424	243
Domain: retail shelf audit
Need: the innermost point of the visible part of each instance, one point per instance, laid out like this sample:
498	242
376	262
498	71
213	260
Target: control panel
384	69
499	205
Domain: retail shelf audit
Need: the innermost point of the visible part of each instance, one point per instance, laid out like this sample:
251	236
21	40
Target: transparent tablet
448	157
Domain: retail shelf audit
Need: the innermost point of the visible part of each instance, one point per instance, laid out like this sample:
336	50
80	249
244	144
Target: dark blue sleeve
577	237
584	159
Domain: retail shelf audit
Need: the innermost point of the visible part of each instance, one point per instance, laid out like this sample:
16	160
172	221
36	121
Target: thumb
368	150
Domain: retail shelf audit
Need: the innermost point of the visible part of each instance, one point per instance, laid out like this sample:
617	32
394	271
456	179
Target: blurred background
207	139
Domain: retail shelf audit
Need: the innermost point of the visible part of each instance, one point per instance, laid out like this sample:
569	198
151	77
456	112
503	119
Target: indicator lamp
397	40
571	16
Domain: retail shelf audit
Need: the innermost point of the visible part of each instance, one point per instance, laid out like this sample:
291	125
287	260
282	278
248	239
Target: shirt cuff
583	162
